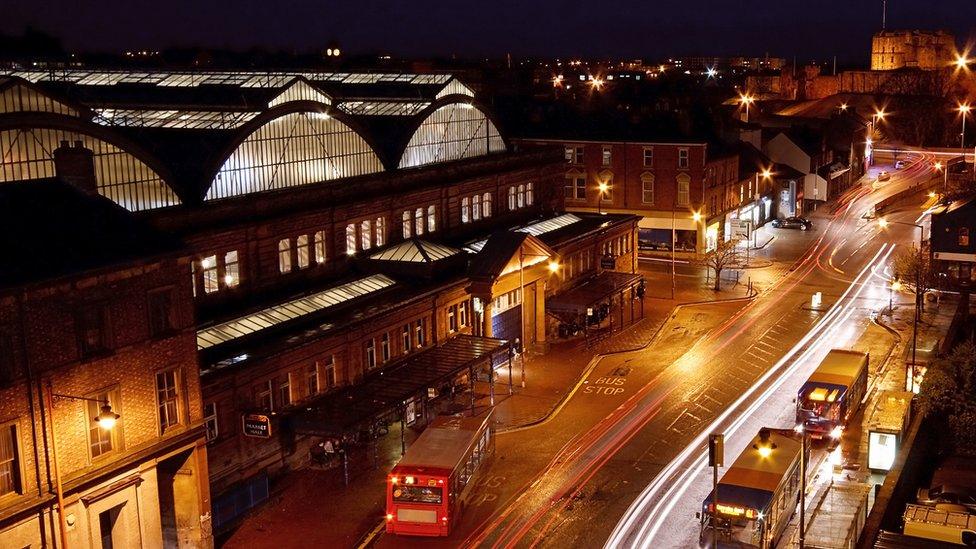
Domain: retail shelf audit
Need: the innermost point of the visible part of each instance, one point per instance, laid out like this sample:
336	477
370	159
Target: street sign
742	229
716	450
257	425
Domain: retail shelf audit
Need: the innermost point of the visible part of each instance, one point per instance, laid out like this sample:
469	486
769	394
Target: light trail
660	505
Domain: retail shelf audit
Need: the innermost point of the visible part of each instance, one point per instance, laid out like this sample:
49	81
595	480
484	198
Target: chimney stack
75	165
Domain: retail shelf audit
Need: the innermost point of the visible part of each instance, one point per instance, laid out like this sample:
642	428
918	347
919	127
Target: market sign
257	425
608	262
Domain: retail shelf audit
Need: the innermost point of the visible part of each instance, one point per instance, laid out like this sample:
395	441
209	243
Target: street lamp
963	109
105	419
746	99
962	62
910	372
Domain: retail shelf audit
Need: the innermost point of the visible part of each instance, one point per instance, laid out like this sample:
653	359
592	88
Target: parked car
900	164
792	223
883	176
948	494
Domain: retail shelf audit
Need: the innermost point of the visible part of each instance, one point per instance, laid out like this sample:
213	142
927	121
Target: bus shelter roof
577	300
384	392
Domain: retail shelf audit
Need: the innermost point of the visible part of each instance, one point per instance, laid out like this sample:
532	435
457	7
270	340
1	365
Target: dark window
8	363
91	324
210	419
964	236
161	312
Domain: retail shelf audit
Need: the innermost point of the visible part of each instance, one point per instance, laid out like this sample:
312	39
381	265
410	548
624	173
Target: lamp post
910	371
803	481
945	176
106	420
963	109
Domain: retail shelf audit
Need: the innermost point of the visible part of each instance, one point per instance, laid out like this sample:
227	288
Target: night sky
808	29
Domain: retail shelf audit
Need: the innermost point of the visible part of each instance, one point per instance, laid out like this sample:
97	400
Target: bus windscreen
418	494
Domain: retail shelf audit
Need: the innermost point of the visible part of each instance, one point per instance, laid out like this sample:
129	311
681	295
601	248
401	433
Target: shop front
742	222
656	234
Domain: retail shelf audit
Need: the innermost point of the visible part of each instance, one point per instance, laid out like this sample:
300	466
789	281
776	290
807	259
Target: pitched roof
501	250
415	251
50	229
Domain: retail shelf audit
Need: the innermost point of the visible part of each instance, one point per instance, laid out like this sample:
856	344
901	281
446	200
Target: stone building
926	50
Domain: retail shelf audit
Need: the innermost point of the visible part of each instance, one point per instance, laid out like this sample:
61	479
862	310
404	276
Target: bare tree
724	256
909	268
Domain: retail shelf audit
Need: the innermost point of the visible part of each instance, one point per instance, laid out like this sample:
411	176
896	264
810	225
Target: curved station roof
164	138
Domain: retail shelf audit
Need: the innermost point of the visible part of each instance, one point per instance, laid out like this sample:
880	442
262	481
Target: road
621	458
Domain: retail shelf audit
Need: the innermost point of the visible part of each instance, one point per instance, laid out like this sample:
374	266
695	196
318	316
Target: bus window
418	494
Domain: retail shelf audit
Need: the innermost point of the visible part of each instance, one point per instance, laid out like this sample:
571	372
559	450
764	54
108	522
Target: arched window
529	195
380	231
294	149
465	210
476	207
351	239
511	199
521	196
452	132
365	235
486	205
320	247
418	221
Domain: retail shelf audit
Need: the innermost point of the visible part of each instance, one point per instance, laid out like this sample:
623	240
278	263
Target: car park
792	223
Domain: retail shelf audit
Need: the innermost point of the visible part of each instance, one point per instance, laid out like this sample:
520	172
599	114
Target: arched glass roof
452	132
294	149
28	153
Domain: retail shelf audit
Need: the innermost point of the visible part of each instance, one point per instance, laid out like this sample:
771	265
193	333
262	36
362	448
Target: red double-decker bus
426	491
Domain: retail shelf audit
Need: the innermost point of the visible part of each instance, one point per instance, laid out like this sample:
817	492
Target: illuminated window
486	205
301	246
452	321
476	207
605	158
521	196
351	239
320	247
452	132
407	224
380	231
529	196
365	235
432	219
418	221
208	266
511	199
420	329
284	255
232	269
463	313
465	210
570	155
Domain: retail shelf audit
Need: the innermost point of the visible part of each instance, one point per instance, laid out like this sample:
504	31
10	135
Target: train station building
353	247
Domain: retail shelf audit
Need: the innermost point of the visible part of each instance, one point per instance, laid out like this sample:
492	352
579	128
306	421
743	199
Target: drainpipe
21	311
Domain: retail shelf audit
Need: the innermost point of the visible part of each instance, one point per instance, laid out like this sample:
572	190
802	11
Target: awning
592	292
382	393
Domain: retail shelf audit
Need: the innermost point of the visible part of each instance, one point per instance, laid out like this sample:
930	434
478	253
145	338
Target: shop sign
257	426
608	262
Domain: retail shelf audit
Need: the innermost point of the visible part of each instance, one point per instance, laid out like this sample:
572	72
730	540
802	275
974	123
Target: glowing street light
962	62
711	72
939	167
553	267
696	216
604	187
747	100
596	83
963	109
843	107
